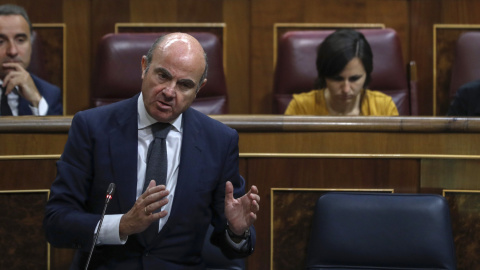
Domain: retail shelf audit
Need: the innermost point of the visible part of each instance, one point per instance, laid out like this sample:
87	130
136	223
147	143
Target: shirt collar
145	120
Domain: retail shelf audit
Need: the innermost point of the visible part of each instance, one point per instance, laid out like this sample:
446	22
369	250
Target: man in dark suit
203	185
26	93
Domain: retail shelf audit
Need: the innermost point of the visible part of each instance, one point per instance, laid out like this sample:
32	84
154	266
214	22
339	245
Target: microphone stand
110	191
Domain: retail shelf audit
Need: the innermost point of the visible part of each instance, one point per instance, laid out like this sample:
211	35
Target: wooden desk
403	154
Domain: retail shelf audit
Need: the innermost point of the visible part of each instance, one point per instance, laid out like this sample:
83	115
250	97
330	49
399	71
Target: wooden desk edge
279	123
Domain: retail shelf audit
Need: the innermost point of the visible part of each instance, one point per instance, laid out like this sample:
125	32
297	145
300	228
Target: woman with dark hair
344	64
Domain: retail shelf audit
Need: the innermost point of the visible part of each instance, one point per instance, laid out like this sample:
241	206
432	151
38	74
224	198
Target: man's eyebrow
21	35
191	83
163	71
169	76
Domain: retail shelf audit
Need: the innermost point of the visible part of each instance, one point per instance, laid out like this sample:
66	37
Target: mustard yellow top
313	103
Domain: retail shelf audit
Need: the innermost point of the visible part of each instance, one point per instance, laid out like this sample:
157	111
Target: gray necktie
156	168
157	155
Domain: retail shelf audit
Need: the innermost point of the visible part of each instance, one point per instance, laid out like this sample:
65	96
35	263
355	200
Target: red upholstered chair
37	63
118	70
466	66
296	70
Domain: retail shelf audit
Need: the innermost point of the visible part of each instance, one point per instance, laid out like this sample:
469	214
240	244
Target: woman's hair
337	50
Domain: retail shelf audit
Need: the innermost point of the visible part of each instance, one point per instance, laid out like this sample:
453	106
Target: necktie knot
160	130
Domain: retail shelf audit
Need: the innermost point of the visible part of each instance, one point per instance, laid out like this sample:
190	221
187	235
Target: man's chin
163	116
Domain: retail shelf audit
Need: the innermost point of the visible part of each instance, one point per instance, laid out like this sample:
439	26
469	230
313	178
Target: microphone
110	191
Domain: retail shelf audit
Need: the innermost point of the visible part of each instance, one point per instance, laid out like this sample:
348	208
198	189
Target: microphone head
111	189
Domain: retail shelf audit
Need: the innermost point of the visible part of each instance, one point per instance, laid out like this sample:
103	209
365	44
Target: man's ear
144	65
202	85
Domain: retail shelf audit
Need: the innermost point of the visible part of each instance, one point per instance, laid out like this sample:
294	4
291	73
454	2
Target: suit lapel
123	153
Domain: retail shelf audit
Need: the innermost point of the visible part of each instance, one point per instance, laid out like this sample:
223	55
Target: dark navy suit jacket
49	92
466	101
101	149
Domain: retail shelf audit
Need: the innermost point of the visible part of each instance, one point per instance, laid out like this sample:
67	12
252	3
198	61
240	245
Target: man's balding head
173	72
167	40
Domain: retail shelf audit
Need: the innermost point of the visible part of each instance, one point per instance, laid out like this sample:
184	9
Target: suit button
146	254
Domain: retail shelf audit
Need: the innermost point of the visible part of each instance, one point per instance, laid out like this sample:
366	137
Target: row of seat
118	73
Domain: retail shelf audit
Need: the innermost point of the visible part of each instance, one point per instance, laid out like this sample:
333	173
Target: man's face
15	43
170	83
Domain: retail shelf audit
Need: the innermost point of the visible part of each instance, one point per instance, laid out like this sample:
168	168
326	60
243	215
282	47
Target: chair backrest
118	70
381	231
214	258
37	64
466	65
296	70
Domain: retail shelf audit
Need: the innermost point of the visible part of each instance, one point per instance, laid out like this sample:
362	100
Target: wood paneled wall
249	35
402	154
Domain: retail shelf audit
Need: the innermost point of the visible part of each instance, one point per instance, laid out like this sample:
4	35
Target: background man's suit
102	148
466	101
49	92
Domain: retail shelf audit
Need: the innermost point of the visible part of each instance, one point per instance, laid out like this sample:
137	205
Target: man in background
22	92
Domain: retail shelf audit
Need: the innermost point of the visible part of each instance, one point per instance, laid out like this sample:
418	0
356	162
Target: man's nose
169	90
12	49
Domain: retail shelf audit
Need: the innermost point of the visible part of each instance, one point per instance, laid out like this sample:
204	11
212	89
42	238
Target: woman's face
346	86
